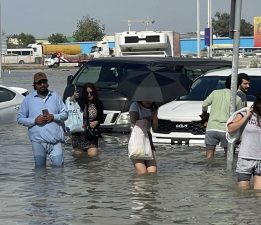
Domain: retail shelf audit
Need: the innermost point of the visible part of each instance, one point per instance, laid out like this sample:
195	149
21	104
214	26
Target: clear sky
43	18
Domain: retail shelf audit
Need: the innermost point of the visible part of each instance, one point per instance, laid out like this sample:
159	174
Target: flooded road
106	191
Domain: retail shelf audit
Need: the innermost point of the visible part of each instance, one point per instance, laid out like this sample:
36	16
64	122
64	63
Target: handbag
139	146
92	133
74	123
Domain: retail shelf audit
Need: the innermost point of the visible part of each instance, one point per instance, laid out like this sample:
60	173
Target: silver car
10	101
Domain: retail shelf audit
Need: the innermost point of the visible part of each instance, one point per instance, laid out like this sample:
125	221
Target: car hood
181	111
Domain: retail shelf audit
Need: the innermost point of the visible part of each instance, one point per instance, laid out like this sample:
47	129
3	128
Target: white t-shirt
250	147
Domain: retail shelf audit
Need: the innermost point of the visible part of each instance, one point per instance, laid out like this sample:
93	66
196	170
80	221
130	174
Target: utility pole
235	18
210	28
198	29
1	40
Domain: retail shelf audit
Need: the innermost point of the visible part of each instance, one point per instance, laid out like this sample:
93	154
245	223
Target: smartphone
45	112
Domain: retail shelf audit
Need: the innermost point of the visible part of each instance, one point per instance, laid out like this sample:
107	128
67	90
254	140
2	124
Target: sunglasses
90	93
41	82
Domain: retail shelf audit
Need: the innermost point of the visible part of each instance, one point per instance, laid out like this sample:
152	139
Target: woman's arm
239	121
134	116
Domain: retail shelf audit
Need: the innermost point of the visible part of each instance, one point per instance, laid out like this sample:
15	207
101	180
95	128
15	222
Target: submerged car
106	73
10	101
179	120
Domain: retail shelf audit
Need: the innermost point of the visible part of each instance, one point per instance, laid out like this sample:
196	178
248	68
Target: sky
43	18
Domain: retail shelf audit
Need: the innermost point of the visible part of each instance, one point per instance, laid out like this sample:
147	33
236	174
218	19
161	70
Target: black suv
106	73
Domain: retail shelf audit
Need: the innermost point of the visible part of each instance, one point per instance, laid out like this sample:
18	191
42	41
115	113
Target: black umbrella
156	84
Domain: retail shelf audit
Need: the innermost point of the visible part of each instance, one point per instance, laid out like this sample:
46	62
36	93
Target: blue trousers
53	151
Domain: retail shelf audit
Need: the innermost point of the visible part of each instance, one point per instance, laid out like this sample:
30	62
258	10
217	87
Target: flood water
106	191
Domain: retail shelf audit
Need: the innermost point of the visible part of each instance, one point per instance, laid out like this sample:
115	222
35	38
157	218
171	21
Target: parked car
10	101
179	120
106	73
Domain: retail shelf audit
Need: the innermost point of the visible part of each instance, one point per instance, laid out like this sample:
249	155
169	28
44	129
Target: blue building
189	45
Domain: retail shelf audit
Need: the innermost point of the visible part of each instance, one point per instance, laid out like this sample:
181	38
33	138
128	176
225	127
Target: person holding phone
92	107
44	112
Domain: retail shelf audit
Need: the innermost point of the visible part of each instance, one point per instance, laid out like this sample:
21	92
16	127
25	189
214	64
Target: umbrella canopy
156	84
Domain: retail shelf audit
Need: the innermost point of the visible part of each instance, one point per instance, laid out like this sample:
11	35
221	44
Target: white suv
179	120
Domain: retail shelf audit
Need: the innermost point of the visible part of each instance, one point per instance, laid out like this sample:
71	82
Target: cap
39	76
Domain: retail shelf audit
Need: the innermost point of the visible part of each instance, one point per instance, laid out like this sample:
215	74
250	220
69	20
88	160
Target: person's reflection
46	188
144	196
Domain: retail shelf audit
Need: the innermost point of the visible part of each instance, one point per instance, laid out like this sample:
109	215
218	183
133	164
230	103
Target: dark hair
94	90
257	104
242	76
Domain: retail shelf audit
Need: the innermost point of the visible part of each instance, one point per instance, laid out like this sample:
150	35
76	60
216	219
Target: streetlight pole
198	29
210	28
0	40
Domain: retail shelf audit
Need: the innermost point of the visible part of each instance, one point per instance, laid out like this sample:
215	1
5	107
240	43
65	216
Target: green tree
22	39
220	24
57	38
89	29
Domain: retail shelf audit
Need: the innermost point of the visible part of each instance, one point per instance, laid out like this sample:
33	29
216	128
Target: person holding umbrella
145	110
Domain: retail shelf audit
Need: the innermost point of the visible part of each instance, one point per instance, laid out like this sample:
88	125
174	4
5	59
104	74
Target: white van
179	120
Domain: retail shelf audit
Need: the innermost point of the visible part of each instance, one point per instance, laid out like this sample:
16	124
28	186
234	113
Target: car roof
16	89
154	61
227	72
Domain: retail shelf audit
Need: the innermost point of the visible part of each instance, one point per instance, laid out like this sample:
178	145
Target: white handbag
74	123
139	146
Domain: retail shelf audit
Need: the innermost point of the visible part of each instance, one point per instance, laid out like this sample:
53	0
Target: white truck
101	49
147	43
140	43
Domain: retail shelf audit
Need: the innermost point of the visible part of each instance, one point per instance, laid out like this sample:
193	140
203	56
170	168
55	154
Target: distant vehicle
19	56
179	120
140	44
10	101
107	72
59	59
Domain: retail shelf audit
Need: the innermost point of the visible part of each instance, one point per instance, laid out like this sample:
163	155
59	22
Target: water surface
105	190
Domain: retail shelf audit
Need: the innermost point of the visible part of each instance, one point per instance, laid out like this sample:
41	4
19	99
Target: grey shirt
250	147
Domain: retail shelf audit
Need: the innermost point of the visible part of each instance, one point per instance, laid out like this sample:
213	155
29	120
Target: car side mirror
69	78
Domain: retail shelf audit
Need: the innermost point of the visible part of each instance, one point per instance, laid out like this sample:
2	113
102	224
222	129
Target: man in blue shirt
43	112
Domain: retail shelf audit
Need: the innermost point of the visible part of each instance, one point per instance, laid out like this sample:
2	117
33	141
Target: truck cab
106	73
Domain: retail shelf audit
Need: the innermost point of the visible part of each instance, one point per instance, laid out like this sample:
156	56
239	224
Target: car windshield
203	86
109	76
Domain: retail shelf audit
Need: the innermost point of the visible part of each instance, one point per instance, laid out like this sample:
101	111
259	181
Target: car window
203	87
6	95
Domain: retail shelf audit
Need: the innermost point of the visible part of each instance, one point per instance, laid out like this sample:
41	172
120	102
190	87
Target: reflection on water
105	190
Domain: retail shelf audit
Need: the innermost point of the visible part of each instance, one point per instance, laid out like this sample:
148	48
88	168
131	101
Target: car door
9	105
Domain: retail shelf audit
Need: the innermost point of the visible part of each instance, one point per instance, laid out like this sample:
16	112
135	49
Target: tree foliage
220	24
22	39
89	29
57	38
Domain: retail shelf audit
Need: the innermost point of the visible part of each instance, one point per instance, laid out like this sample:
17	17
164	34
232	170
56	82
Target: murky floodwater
106	191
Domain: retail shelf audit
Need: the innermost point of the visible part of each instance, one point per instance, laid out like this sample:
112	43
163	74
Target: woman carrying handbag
144	110
84	142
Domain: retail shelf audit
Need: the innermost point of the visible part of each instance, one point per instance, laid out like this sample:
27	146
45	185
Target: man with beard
244	84
43	112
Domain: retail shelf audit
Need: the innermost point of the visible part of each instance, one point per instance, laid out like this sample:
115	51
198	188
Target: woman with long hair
92	109
249	156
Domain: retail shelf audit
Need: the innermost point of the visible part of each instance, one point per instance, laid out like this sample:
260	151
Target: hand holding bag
139	146
74	123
